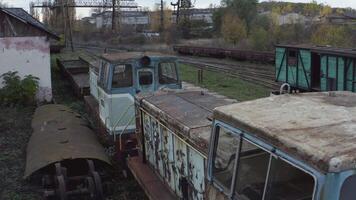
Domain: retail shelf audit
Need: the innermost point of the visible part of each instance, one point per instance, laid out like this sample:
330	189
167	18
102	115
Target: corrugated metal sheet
60	134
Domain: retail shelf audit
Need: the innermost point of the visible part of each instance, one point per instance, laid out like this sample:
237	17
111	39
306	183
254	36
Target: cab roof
129	56
317	128
188	113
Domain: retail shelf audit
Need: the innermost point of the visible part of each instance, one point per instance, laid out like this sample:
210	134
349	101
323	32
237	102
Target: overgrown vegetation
280	22
15	131
18	91
225	85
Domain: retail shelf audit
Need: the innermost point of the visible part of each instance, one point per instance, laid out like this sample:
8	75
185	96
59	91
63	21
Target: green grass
223	84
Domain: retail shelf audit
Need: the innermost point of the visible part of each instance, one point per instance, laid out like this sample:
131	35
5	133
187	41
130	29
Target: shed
25	45
316	68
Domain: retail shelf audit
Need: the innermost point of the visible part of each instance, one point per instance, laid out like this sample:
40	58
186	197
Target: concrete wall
28	55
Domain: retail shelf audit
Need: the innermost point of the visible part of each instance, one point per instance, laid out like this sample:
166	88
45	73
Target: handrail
119	120
281	90
122	132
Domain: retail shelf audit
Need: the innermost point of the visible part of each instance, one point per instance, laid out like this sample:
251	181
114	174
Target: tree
260	39
246	10
218	15
326	10
233	28
335	35
312	8
155	18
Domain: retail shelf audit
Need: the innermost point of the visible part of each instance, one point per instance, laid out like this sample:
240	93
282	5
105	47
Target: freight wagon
256	150
237	54
316	68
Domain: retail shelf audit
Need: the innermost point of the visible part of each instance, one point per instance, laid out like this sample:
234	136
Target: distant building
340	19
25	48
205	15
134	18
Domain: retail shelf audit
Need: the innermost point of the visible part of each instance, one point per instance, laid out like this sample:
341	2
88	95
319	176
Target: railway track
262	75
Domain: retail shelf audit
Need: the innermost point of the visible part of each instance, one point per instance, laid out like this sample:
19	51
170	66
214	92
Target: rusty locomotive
257	150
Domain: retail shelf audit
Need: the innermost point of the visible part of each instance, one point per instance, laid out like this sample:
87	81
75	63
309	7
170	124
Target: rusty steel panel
187	114
60	134
173	159
196	173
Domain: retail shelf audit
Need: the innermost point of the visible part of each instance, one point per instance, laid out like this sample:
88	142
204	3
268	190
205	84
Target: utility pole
70	28
178	10
113	21
162	17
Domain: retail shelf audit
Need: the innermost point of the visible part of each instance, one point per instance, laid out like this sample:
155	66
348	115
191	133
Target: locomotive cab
261	151
123	75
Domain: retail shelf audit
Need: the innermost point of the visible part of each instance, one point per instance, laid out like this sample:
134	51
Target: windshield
122	76
167	73
259	174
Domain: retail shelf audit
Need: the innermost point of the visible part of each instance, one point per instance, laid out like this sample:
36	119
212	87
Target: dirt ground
15	131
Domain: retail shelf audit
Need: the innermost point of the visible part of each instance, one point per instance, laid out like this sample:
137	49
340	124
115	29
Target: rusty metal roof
329	50
60	134
318	128
187	113
23	16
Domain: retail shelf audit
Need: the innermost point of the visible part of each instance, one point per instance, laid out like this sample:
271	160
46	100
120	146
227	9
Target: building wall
28	55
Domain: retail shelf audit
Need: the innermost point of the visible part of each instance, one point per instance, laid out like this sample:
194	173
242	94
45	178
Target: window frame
113	74
145	71
104	75
175	71
262	145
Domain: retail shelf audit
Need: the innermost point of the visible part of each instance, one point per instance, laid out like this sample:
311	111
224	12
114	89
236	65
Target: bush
17	90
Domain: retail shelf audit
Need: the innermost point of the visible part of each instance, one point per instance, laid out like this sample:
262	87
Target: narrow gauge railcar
120	77
256	150
316	68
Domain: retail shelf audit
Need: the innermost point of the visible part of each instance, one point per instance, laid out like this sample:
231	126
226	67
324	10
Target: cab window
251	171
225	155
287	182
122	76
348	188
145	77
254	173
167	73
104	74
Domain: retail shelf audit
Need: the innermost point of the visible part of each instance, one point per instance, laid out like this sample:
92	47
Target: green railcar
311	68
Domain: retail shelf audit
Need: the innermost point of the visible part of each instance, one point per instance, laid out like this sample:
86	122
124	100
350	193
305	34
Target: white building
25	48
135	18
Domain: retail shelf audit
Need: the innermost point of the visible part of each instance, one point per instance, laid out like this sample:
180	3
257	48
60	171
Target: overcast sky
198	3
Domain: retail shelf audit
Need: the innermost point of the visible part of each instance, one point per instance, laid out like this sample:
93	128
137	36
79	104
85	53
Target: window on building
348	188
122	76
292	57
104	74
145	77
167	73
225	156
